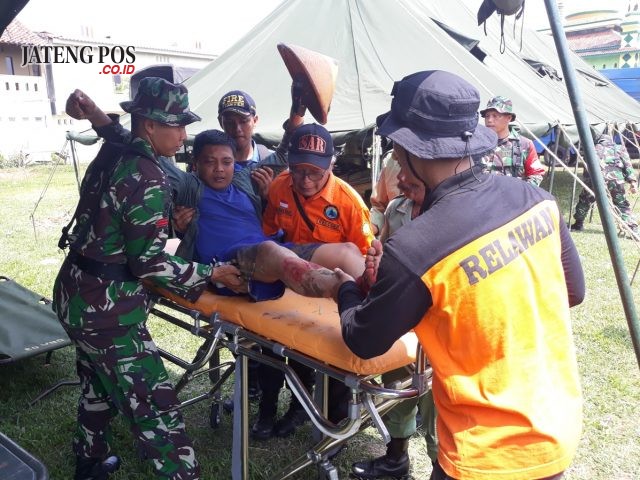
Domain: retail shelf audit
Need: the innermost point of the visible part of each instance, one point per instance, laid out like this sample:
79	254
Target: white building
32	97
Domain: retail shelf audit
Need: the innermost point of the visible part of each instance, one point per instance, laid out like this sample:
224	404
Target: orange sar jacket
485	277
337	213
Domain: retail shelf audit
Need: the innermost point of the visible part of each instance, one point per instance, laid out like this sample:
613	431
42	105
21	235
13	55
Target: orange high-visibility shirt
337	212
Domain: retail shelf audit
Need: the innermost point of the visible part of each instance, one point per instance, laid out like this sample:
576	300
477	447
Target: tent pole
74	157
575	182
579	113
552	162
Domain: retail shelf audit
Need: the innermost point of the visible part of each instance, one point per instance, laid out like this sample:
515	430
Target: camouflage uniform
505	159
616	168
117	361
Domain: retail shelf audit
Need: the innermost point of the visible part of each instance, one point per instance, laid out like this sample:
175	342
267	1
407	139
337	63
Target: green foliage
609	448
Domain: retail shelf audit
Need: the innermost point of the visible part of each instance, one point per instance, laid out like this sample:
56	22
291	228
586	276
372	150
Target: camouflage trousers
614	182
120	370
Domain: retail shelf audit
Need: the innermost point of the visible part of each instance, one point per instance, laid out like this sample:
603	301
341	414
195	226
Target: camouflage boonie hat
162	101
501	105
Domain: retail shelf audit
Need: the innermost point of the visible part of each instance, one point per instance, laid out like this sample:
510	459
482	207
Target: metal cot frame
369	399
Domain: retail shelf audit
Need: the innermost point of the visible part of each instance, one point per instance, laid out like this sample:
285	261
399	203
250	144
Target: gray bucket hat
434	114
162	101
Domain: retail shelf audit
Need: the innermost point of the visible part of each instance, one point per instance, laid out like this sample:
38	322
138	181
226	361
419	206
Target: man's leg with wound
345	256
270	262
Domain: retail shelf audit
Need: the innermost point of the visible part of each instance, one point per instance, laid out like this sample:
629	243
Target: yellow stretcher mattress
307	325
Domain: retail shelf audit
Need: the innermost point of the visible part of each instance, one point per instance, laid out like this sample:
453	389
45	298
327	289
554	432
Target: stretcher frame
369	399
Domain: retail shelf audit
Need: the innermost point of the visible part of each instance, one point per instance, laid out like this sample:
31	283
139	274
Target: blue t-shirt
227	219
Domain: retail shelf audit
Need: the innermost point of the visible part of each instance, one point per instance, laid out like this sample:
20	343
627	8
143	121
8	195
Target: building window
615	65
17	87
12	119
26	85
6	84
38	119
35	87
604	65
8	62
36	70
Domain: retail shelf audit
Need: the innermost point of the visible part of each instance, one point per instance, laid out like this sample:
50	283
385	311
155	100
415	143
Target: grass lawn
610	445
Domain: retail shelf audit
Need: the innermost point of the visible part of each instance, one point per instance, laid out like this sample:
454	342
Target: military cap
162	101
501	105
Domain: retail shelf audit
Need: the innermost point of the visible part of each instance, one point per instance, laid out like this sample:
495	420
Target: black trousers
272	379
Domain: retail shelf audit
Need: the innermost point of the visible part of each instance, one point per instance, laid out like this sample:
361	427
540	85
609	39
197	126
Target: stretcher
308	331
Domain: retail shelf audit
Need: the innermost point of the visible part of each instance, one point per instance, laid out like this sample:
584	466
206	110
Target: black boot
394	464
294	417
95	469
578	225
263	428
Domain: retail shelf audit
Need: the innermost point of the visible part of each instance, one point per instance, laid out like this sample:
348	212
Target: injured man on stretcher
229	230
226	228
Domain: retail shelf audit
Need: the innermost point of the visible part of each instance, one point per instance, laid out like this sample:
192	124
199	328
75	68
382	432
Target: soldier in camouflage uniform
515	155
617	170
99	297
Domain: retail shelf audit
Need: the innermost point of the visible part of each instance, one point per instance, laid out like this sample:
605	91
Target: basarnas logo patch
331	212
113	59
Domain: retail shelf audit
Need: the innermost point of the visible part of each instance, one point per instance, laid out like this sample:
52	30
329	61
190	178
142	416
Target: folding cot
308	331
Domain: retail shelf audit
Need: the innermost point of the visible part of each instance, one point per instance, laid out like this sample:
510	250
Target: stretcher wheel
214	415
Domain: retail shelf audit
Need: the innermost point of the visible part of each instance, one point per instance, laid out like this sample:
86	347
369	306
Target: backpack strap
94	184
516	156
303	214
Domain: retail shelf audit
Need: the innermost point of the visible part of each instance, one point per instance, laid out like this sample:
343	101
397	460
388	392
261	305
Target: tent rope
61	157
355	58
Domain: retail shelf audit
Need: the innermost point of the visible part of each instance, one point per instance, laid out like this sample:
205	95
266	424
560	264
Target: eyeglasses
313	175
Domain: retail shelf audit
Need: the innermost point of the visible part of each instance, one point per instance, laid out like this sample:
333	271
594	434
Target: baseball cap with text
311	144
237	101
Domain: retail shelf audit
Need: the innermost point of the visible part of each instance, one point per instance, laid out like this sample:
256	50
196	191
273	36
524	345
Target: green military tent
377	42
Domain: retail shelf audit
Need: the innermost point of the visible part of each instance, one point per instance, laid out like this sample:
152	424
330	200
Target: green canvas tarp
377	42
